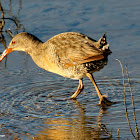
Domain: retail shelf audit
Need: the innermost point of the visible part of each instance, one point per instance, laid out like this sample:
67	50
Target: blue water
33	101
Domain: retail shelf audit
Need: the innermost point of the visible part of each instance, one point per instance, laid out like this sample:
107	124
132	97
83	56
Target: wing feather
72	48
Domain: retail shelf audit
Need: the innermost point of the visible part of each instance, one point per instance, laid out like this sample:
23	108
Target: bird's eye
13	42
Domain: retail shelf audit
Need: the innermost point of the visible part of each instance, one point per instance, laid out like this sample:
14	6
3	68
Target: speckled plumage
73	55
70	52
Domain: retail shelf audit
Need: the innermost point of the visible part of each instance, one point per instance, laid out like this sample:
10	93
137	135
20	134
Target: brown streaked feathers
73	48
69	54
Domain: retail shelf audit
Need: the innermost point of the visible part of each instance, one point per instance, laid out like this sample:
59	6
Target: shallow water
33	102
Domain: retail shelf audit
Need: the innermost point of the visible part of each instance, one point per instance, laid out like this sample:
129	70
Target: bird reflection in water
78	127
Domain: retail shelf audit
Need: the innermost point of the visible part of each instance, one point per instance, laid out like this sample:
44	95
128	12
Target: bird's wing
72	48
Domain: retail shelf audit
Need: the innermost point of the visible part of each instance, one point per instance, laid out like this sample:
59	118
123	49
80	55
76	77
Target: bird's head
21	42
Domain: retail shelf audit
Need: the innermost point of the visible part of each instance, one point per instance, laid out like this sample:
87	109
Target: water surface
33	101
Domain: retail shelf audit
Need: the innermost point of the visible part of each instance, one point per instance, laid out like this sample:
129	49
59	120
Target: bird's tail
103	45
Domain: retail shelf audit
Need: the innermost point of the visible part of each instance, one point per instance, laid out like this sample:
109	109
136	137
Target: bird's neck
34	47
37	53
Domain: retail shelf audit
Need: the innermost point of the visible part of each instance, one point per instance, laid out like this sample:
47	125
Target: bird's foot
73	98
105	101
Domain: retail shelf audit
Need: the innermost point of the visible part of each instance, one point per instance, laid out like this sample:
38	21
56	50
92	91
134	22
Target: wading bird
72	55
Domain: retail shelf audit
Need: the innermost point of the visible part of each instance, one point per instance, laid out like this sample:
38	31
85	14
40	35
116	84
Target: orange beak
5	53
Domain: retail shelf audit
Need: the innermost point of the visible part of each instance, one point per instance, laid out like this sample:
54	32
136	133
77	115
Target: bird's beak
5	53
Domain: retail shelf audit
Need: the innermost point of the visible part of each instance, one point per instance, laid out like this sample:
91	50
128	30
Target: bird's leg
103	99
79	89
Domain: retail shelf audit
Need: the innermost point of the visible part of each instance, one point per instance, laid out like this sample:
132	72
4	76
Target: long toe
105	101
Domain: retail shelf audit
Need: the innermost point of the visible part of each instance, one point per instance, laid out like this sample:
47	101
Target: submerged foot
73	98
105	101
